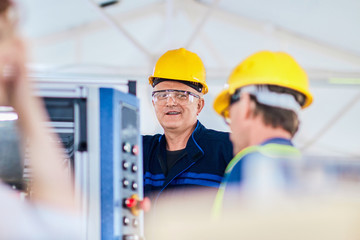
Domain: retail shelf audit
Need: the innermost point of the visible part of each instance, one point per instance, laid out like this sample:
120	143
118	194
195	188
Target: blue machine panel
120	165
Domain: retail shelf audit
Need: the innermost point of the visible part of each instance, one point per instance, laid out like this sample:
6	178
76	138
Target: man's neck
177	139
264	133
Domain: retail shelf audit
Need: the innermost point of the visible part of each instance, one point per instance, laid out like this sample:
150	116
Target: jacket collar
278	140
193	153
193	149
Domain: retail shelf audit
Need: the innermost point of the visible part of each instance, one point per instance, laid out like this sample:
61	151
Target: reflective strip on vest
271	150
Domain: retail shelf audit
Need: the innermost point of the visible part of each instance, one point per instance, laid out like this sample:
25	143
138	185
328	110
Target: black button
134	185
126	221
134	168
126	147
131	237
135	223
125	165
125	183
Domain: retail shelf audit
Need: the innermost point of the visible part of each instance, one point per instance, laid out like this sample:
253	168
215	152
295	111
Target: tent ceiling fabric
322	35
75	36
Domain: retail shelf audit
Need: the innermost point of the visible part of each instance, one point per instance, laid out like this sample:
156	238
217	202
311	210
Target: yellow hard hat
265	67
180	64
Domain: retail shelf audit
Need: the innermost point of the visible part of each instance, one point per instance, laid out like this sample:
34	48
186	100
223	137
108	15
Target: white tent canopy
124	41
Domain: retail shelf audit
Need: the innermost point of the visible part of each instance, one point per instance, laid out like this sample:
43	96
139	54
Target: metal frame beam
267	29
113	22
202	22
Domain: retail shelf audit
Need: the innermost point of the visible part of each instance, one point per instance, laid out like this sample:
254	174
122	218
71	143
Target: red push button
130	202
135	204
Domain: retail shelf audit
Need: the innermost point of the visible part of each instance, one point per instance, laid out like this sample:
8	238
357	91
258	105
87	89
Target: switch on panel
134	204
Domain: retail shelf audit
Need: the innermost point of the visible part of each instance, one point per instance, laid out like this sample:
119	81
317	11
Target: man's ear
248	106
200	105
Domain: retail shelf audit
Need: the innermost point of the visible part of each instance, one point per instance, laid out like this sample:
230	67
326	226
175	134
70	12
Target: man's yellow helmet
269	68
182	65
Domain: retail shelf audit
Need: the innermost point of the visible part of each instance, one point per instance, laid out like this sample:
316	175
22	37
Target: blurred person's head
179	84
8	19
12	53
263	97
4	5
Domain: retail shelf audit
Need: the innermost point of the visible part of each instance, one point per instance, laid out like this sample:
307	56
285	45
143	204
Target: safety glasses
233	99
181	97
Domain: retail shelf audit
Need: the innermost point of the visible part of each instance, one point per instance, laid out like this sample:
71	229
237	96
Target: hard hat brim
222	102
151	80
308	97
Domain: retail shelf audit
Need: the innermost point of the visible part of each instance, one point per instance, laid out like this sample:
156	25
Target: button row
131	237
125	183
126	165
127	148
126	222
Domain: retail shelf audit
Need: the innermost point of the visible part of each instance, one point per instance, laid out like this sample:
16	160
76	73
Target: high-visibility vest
271	150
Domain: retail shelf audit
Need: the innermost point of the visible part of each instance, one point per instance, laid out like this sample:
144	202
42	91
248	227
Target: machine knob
134	168
135	150
134	204
125	164
126	147
126	221
134	186
135	223
125	183
130	202
131	237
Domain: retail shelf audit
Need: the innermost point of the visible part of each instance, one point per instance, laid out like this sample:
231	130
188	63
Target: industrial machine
99	128
11	167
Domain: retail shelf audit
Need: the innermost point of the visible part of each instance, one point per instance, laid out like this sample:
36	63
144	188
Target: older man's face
173	115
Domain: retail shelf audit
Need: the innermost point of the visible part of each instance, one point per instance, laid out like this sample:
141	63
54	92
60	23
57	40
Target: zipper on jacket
170	182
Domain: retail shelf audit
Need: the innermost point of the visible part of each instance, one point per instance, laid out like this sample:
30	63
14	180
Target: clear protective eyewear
181	97
233	99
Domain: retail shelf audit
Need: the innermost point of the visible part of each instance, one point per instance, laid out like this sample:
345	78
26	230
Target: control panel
99	128
122	214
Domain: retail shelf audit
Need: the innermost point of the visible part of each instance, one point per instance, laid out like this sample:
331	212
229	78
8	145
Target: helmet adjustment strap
265	96
197	86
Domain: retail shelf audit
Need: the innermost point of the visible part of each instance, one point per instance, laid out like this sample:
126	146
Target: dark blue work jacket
208	152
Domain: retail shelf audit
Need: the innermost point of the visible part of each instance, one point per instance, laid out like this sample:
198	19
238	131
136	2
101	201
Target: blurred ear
248	106
200	105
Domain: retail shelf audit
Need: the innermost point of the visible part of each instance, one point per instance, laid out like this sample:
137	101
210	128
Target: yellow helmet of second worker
182	65
268	68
